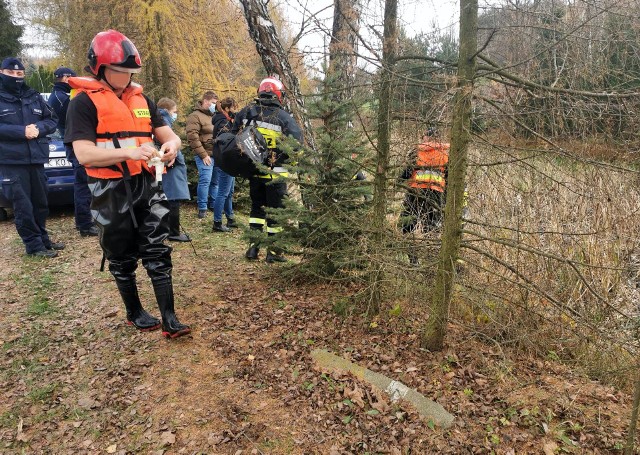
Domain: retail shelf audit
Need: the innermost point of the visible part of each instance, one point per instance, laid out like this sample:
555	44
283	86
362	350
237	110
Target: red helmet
272	85
112	49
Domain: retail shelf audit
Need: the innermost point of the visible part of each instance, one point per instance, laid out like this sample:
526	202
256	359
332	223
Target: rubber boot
171	327
174	224
252	252
219	227
231	223
274	255
136	315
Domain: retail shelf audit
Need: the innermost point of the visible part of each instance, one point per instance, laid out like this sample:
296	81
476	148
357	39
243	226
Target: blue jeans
224	196
207	186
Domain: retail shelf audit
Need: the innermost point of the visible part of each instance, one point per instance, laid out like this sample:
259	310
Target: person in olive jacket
200	136
25	122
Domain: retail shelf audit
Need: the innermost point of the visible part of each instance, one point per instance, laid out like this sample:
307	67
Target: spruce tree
330	202
10	33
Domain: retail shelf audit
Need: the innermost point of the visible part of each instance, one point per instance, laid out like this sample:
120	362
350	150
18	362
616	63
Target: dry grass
552	246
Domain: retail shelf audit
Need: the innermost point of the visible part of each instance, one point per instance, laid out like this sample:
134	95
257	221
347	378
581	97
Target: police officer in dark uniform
59	98
268	190
59	101
25	122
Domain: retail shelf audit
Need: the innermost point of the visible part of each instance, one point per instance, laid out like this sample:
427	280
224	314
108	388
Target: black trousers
25	185
426	206
122	242
265	193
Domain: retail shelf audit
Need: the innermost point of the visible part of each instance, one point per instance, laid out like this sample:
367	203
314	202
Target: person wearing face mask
200	136
110	124
59	102
222	123
60	93
174	182
25	122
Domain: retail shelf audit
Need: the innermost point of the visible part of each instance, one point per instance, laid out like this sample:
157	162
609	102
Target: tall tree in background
10	33
422	88
436	326
182	43
276	60
338	106
381	187
343	51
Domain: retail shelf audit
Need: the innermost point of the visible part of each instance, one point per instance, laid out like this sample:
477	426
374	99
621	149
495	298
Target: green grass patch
42	394
285	445
41	306
9	419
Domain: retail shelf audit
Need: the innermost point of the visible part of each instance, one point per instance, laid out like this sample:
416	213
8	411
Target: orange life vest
123	122
431	163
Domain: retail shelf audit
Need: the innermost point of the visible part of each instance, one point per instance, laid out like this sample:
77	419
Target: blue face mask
212	108
174	116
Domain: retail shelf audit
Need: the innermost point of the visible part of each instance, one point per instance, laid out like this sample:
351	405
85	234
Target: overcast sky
416	16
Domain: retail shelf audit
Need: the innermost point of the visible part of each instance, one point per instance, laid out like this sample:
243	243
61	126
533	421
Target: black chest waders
123	168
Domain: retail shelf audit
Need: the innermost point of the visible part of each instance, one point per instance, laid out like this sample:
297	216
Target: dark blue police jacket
59	102
16	112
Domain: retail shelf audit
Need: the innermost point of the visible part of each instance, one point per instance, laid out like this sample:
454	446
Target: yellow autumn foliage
187	46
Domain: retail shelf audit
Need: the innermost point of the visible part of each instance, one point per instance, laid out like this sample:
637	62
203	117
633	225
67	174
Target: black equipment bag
237	155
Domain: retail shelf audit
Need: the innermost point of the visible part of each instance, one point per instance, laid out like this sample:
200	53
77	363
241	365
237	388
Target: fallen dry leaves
74	378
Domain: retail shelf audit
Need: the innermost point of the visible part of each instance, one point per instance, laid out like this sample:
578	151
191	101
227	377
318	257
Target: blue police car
59	176
59	173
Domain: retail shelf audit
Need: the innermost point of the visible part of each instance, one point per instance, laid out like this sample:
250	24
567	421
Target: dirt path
75	379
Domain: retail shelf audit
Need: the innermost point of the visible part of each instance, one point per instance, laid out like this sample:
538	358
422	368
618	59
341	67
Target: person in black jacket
60	95
59	102
268	190
223	123
25	124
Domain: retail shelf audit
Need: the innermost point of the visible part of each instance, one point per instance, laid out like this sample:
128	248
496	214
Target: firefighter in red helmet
110	124
268	190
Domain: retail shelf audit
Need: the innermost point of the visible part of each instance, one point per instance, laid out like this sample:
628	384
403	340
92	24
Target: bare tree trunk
275	61
389	52
342	48
628	450
338	84
436	326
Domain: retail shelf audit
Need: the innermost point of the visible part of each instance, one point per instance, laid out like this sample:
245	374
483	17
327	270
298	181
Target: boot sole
145	329
177	334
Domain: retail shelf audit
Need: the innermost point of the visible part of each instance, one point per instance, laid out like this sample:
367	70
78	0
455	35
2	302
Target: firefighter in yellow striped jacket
427	177
268	190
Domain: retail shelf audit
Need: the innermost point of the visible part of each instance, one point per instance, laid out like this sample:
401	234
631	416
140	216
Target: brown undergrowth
75	379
